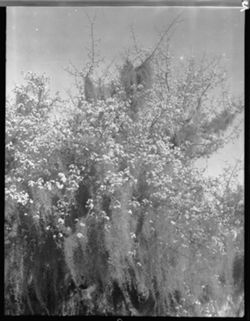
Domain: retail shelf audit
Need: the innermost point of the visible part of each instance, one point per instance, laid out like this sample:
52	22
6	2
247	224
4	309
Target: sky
47	39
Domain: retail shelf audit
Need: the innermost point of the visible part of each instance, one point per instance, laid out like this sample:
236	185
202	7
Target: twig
92	22
135	41
104	74
174	21
70	97
235	166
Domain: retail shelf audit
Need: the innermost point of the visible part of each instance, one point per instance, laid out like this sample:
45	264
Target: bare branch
107	69
92	38
135	41
174	21
232	173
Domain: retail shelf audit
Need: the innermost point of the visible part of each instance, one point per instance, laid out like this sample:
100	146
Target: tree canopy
105	213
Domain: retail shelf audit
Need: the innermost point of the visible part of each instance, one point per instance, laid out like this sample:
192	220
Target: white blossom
62	177
61	221
79	235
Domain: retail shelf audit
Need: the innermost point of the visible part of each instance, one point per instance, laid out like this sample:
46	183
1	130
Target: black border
230	3
2	119
115	3
247	174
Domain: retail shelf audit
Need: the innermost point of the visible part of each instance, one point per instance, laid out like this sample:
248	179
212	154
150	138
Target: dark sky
46	39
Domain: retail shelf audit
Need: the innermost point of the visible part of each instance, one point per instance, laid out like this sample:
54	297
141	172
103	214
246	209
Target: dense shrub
104	210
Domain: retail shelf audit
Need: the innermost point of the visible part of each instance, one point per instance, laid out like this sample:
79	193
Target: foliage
104	211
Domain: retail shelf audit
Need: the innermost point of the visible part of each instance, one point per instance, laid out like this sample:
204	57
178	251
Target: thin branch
166	80
236	127
232	173
92	23
104	74
174	21
135	41
70	97
201	96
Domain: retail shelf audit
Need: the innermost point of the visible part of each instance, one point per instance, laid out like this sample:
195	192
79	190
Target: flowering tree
105	213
